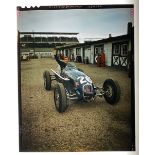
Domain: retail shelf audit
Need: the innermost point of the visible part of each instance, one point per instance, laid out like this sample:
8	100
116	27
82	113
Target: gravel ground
94	126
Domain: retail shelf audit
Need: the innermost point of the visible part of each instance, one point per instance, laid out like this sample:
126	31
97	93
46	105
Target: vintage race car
74	84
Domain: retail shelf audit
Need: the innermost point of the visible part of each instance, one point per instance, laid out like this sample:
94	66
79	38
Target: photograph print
76	78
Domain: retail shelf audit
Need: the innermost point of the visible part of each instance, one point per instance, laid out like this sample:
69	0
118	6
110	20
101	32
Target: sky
89	23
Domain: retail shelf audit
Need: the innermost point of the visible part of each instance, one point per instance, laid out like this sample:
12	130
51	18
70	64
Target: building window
124	49
78	51
96	50
116	49
101	49
67	53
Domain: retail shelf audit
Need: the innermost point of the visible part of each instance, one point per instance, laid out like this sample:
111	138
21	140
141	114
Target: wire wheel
111	91
60	98
57	99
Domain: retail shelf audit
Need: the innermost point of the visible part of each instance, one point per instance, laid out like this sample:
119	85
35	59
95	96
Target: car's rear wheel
47	80
111	91
60	98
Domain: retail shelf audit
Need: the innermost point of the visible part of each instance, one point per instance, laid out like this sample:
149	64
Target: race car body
80	85
74	84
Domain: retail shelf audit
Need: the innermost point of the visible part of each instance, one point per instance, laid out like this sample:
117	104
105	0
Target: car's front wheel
111	91
60	98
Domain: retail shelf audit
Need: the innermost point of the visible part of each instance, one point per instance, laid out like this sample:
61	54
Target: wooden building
116	50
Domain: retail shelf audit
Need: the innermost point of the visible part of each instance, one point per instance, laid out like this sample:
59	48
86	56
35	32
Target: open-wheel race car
74	84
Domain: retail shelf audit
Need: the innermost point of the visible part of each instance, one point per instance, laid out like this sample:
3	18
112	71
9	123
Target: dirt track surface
94	126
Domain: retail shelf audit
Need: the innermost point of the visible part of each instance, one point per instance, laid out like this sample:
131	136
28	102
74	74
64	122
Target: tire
112	91
47	80
60	98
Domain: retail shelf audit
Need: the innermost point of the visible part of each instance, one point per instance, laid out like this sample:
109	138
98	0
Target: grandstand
31	39
41	43
66	40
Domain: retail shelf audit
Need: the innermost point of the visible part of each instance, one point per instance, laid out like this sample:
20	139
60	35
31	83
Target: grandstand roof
58	33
